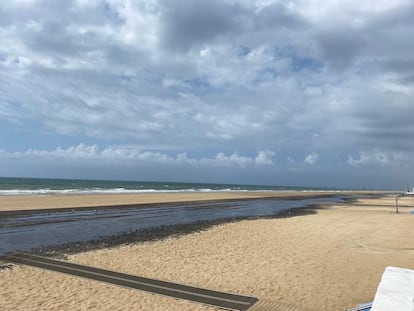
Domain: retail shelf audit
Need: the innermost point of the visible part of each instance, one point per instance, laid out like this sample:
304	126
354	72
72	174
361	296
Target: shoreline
23	205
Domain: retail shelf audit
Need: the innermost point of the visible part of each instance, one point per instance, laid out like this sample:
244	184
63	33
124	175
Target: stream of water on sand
42	229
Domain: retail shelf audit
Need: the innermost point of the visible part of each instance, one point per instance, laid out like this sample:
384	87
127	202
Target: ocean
41	186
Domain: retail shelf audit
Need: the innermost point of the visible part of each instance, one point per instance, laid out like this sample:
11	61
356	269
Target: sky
299	93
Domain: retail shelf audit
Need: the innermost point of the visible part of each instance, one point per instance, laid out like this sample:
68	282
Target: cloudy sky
301	92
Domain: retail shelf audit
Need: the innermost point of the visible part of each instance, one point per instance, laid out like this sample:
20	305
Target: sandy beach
332	259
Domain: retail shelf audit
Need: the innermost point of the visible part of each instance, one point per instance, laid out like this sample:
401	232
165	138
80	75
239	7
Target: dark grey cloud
366	40
385	123
398	17
404	67
188	23
276	16
340	47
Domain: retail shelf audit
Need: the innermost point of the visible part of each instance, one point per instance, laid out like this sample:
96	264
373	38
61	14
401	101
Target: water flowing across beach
23	232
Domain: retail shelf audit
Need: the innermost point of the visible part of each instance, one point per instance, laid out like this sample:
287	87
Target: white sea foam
47	191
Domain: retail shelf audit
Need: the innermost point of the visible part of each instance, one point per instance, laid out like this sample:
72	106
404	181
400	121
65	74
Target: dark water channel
42	229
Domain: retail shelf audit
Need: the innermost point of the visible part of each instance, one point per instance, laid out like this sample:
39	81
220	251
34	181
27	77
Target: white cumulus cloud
312	158
375	157
133	153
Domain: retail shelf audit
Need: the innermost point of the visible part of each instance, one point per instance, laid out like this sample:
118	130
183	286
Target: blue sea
40	186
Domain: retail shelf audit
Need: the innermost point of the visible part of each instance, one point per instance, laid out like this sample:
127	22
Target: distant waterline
38	186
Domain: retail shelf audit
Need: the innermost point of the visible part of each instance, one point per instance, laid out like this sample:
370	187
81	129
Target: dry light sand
330	260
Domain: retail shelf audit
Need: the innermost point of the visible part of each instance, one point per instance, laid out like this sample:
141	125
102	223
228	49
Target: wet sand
332	259
54	202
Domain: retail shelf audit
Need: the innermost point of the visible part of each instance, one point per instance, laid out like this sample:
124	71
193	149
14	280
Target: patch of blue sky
305	63
16	137
243	50
110	13
198	86
265	74
298	62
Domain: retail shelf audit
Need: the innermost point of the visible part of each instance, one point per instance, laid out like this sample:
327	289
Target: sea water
39	186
